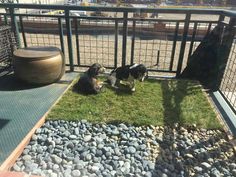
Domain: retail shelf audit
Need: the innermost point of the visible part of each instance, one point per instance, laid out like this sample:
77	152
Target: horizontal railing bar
97	18
163	71
203	21
76	65
92	18
63	16
109	18
171	20
229	12
109	67
153	19
35	15
118	9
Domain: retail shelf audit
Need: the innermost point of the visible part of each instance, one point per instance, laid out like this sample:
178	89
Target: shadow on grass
122	90
172	159
172	115
173	94
75	88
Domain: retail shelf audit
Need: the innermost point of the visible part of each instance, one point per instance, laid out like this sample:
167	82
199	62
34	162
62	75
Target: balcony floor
22	106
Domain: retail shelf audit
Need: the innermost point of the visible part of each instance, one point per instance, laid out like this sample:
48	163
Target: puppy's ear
142	68
138	71
94	69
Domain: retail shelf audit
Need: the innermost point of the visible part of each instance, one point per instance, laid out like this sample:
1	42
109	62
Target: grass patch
154	102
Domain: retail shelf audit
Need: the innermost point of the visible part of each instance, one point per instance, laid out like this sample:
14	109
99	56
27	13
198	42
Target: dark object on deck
128	73
208	61
39	65
7	46
89	83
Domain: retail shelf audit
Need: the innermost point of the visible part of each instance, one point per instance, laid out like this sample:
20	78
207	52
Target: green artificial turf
155	102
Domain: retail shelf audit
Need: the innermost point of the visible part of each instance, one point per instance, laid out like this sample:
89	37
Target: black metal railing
227	79
162	39
7	46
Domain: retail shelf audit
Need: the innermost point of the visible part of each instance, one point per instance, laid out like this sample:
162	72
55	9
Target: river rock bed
65	148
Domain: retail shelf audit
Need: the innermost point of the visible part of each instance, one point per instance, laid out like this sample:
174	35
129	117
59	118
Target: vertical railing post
192	40
76	24
125	33
221	18
133	42
220	24
116	43
60	25
174	46
231	28
5	20
209	28
183	44
23	31
14	26
69	38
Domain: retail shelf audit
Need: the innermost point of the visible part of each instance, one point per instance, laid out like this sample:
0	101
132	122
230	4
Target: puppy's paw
133	89
121	82
115	87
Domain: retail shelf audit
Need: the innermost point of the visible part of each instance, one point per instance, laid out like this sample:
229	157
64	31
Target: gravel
79	149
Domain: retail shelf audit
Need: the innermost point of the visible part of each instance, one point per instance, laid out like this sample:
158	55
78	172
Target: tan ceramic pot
39	65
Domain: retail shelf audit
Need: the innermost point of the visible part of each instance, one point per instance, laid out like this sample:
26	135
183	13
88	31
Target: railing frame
125	12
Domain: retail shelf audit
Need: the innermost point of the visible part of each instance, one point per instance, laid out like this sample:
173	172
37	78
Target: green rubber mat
21	107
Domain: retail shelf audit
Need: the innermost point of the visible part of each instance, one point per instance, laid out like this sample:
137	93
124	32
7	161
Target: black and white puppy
128	73
88	83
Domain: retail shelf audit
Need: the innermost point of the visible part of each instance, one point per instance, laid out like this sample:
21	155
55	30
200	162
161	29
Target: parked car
170	2
78	13
187	4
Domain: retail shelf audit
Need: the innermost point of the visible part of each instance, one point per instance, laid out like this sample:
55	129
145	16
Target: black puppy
128	73
88	83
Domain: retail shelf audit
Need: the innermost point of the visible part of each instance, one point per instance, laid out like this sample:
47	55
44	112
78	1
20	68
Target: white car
78	13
